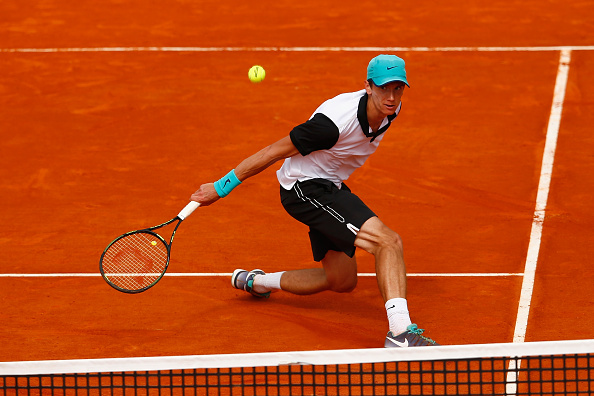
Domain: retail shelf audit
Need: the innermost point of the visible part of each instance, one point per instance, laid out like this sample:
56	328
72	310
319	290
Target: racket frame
180	217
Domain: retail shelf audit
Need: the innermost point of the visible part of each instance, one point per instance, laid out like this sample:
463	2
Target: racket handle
191	207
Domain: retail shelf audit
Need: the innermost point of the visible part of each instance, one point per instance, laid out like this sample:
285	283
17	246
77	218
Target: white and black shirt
334	142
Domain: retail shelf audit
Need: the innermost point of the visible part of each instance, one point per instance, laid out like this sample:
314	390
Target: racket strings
135	261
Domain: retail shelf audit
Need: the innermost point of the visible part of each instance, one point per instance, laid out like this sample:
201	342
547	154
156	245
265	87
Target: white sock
268	282
398	316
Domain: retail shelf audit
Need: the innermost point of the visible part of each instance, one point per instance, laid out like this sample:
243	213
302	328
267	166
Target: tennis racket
137	260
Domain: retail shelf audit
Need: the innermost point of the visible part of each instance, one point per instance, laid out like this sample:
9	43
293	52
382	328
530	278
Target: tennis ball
154	243
256	74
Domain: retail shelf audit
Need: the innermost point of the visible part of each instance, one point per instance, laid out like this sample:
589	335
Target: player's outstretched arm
264	158
208	194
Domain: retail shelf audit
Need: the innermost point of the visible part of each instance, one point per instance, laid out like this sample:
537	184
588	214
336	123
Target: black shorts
334	215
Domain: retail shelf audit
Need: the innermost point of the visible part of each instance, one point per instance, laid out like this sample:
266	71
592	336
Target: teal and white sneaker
244	280
412	337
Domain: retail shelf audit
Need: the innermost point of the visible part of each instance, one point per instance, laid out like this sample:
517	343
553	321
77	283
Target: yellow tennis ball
256	74
154	243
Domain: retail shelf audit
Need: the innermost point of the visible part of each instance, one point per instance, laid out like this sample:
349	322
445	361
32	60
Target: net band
564	368
345	356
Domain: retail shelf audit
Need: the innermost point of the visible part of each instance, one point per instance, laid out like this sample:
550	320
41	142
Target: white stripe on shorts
328	209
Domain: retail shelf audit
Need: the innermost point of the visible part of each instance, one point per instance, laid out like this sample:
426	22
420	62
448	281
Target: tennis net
535	368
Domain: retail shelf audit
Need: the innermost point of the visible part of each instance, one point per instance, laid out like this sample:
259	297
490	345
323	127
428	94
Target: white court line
542	196
539	214
225	274
299	49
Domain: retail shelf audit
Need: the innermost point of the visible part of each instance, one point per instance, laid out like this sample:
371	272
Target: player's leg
339	274
341	271
386	245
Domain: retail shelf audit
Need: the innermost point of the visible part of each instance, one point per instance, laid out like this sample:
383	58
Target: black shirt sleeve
318	133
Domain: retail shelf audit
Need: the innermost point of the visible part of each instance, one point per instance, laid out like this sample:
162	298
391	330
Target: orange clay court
113	113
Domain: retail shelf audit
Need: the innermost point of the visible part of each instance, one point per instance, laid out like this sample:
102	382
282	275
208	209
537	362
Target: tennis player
319	155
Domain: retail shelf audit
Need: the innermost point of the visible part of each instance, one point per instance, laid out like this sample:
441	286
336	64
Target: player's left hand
205	195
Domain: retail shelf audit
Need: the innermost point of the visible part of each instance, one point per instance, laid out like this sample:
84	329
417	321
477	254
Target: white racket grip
191	207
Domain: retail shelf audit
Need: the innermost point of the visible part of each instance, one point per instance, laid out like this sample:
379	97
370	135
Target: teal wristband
226	184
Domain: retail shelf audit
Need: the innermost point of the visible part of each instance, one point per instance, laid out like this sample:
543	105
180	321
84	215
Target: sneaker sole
234	277
236	274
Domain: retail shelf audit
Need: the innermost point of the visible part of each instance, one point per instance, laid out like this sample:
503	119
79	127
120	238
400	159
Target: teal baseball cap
386	68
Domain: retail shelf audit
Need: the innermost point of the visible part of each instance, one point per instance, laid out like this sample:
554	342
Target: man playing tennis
319	155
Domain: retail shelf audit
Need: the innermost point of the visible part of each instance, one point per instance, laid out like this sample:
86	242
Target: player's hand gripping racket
137	260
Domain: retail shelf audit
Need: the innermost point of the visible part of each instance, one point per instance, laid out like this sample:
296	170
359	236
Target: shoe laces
413	328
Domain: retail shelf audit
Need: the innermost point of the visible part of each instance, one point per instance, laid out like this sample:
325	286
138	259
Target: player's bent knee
389	240
386	238
343	285
395	240
375	236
